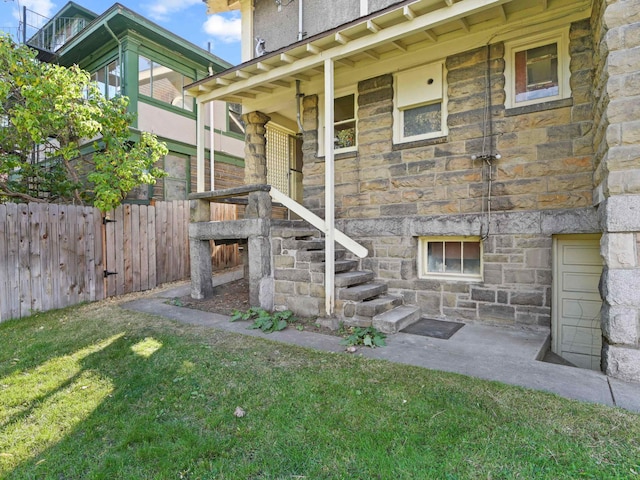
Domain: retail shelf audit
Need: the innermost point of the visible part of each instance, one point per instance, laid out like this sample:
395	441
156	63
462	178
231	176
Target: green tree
49	115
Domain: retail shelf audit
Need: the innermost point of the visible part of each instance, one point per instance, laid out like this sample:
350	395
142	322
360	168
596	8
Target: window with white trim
450	257
345	122
537	69
420	107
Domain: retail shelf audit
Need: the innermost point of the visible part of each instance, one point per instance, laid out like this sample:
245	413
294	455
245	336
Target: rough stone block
619	250
621	362
519	276
538	258
620	325
483	295
496	312
621	287
622	213
527	298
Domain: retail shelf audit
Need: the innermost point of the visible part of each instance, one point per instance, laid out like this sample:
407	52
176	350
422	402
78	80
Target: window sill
419	143
451	278
341	156
538	107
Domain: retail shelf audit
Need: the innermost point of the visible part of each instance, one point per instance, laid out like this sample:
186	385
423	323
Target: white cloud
41	7
162	9
223	28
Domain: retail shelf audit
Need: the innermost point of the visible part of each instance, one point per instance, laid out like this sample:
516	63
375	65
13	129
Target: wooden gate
148	245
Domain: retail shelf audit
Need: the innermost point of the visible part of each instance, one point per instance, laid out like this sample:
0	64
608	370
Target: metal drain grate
428	327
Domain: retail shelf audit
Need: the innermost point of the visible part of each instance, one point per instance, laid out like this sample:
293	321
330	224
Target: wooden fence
52	256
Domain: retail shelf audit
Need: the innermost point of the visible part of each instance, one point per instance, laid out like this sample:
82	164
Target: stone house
127	54
486	155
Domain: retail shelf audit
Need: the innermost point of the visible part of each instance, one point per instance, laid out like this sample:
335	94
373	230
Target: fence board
52	256
135	248
4	275
23	260
36	231
13	270
144	248
109	236
153	246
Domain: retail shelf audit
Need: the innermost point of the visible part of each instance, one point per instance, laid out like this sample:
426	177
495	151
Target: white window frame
321	127
561	38
423	260
398	113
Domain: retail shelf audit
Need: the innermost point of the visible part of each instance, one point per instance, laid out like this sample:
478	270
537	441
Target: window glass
236	125
457	258
113	79
163	84
536	72
471	258
100	78
144	76
344	122
422	120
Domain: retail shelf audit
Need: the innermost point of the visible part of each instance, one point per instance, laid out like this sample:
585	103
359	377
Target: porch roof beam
348	47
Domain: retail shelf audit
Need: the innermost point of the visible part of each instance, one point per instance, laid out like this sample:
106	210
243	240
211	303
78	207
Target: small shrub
367	336
266	321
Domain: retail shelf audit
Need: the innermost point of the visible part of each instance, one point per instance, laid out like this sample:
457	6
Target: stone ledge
538	107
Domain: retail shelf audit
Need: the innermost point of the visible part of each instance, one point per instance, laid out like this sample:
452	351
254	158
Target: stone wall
616	27
516	289
546	150
388	195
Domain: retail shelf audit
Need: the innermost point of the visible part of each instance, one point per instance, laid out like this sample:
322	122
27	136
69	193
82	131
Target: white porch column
200	145
329	198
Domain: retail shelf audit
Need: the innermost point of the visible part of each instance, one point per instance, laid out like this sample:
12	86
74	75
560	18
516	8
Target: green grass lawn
97	392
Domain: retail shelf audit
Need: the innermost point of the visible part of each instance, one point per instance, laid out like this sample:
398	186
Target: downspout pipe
300	31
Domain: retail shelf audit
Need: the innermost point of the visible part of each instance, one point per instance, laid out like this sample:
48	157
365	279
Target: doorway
576	333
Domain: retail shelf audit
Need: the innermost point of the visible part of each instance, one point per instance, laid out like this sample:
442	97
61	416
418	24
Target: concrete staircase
361	300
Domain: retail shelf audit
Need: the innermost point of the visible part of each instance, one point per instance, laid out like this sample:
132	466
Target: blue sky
187	18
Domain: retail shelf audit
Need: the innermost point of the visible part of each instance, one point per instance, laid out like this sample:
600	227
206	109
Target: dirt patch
226	298
233	296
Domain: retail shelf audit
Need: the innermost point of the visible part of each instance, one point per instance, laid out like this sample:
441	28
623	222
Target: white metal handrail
311	218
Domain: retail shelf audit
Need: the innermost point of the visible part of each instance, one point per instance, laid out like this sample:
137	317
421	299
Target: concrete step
303	244
294	232
376	306
395	320
316	255
359	293
348	279
341	266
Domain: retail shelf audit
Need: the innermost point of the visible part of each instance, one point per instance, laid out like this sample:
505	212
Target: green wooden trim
230	159
167	106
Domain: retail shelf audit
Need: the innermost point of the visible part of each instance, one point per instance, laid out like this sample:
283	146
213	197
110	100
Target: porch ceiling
407	27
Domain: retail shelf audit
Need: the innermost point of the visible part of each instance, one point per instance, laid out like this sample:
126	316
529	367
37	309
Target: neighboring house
129	55
485	152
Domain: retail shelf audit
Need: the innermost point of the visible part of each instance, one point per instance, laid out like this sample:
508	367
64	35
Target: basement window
538	70
420	110
450	257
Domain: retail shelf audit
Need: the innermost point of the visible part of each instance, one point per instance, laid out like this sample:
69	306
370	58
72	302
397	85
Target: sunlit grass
96	392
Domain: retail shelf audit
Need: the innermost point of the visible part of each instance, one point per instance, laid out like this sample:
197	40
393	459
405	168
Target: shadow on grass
154	400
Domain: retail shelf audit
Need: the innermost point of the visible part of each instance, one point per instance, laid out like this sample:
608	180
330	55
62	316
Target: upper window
236	124
420	104
163	84
453	257
345	123
108	79
537	69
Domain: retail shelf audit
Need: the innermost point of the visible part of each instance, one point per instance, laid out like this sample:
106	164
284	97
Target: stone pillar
259	208
255	163
200	254
617	180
